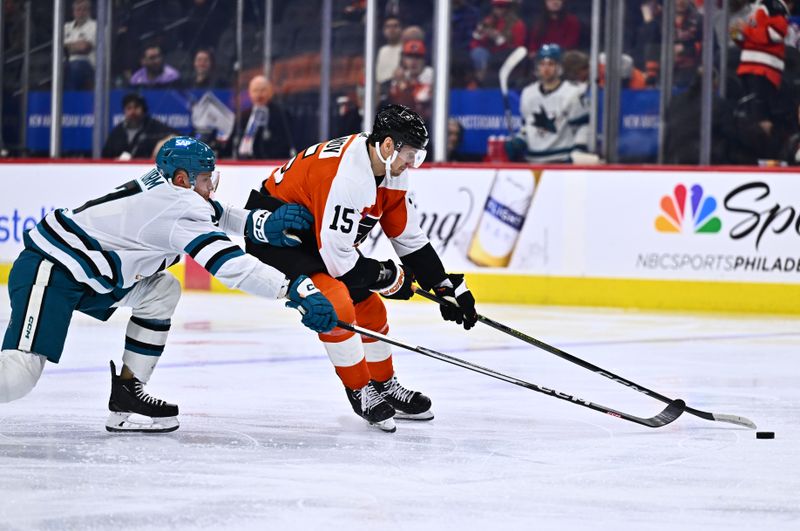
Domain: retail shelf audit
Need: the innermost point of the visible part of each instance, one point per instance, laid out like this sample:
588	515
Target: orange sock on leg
371	314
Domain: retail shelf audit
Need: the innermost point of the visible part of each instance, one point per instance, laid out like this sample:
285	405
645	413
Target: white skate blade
387	425
123	423
425	415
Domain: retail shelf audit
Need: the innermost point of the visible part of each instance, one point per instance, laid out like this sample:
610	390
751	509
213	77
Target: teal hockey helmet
185	153
549	51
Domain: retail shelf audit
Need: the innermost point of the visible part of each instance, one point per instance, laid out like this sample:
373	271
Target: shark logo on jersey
543	121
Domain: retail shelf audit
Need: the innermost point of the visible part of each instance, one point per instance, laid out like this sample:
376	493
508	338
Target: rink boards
675	238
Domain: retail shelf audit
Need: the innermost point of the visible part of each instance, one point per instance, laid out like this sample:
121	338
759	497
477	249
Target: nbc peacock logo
674	210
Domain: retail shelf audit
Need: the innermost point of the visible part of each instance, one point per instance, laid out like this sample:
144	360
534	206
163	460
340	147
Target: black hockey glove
318	313
394	281
454	288
263	227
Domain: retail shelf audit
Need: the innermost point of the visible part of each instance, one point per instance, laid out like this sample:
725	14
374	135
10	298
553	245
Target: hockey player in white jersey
555	117
112	252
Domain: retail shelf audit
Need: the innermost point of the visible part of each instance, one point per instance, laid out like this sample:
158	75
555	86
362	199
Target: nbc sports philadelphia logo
682	212
753	214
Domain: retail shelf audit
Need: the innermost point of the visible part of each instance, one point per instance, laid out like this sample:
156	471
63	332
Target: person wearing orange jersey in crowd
350	184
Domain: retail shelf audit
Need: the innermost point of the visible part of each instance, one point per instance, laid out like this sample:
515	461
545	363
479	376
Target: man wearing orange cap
413	80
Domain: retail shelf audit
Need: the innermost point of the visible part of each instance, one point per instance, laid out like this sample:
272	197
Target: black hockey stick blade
670	413
673	410
732	419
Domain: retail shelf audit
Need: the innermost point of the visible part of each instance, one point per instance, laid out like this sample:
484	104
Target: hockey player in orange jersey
350	184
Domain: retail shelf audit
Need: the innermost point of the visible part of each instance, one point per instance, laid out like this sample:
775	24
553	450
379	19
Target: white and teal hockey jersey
554	123
143	227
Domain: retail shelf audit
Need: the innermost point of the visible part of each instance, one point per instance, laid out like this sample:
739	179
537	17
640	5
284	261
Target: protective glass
412	156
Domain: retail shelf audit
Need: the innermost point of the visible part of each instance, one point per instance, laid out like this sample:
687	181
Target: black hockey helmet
402	125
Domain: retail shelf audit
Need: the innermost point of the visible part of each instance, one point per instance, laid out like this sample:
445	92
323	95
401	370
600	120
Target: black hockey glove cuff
426	266
454	288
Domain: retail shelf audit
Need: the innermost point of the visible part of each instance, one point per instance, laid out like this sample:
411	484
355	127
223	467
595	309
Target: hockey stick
506	68
670	413
732	419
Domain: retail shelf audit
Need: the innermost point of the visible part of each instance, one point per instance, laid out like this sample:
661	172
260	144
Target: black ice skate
368	404
408	404
128	398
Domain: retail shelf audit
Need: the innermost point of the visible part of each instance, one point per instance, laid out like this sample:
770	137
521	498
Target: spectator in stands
413	80
412	33
556	26
646	48
204	75
793	31
455	135
355	10
350	112
389	54
80	36
154	73
738	13
576	68
137	135
494	38
264	128
463	21
632	77
688	39
761	63
735	139
645	39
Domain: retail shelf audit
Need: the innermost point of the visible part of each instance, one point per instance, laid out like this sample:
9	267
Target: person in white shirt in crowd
389	54
80	36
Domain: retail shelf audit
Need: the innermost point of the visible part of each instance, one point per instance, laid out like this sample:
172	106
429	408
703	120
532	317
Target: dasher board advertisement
627	224
705	226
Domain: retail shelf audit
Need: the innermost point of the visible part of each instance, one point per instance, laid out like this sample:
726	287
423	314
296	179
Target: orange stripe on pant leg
339	296
371	314
344	349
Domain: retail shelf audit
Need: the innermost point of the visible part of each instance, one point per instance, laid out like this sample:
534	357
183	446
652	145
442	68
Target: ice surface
268	440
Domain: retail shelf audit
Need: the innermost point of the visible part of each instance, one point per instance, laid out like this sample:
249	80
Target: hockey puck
765	435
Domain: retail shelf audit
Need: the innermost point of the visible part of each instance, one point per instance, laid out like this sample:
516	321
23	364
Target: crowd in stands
757	120
190	44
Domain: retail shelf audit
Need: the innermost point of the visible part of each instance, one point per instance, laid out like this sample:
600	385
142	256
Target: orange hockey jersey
334	180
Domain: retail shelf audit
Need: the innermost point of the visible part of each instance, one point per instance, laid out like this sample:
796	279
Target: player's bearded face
547	70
